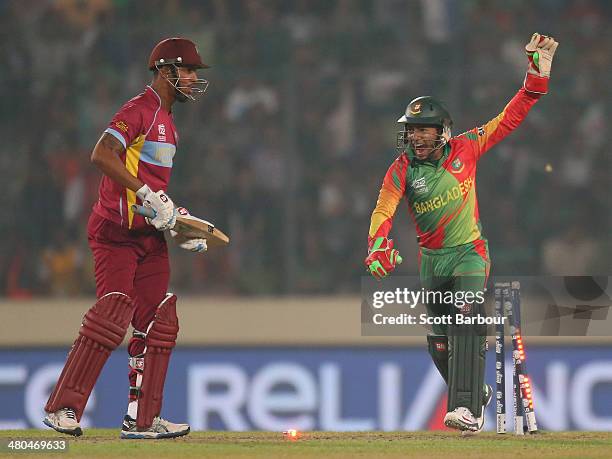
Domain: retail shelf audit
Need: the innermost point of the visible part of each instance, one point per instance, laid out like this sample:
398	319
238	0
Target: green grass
448	445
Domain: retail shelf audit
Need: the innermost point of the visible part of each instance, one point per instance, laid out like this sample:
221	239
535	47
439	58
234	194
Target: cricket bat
190	227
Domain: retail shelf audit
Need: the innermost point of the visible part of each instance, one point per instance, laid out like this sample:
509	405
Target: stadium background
286	152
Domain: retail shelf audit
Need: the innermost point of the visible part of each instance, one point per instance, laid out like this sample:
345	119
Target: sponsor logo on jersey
420	186
457	166
122	126
481	131
161	129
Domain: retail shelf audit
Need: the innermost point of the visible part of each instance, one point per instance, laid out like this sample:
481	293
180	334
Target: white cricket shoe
461	418
488	395
159	429
65	421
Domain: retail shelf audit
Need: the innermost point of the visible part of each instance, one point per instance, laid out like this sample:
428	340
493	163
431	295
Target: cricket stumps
508	304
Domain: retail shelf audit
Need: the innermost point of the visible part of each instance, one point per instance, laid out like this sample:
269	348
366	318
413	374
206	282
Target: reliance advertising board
339	389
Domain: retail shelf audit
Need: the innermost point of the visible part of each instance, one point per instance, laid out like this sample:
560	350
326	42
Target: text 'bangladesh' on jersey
441	194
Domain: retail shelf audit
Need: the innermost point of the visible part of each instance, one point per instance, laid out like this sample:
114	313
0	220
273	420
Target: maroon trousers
132	273
131	262
134	263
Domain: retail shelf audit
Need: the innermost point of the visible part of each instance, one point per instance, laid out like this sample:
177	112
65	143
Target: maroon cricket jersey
149	136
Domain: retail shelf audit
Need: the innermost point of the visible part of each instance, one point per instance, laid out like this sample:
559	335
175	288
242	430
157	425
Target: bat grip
144	211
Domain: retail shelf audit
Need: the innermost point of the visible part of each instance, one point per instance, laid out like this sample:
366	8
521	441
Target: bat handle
144	211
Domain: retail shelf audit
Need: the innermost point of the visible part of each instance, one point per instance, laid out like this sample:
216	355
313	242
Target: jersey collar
155	96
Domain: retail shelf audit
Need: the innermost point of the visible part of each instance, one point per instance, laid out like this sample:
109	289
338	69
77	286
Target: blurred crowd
287	149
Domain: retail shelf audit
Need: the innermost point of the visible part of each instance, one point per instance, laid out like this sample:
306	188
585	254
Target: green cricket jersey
441	194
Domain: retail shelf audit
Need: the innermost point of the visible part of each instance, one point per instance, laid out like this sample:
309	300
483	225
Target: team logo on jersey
457	166
420	186
161	129
121	126
416	108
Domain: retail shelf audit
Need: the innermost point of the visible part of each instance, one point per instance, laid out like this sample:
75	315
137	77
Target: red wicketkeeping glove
382	257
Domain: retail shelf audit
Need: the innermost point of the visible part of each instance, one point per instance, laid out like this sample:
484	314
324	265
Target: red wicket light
521	349
527	391
291	434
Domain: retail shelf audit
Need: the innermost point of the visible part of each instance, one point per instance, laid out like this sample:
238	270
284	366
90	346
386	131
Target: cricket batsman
436	173
135	154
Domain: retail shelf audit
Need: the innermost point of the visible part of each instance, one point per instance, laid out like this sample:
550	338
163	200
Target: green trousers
458	351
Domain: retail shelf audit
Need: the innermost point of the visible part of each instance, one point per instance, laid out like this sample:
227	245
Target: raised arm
540	51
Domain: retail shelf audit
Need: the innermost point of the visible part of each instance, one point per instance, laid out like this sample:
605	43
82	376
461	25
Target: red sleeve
391	192
484	137
126	125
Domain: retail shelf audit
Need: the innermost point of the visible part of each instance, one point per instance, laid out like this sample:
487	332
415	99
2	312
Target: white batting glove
540	51
193	245
160	202
197	245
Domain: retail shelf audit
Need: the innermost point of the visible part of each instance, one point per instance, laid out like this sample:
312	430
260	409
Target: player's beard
179	96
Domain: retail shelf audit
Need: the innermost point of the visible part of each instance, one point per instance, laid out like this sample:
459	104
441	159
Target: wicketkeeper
436	173
135	153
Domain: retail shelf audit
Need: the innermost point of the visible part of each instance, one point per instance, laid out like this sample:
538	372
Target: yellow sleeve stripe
388	199
132	159
490	128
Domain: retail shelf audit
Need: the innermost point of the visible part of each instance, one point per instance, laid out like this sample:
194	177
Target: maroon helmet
177	51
